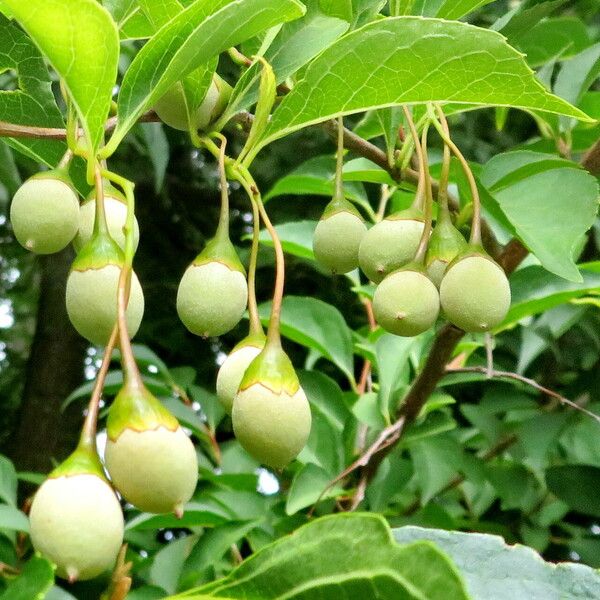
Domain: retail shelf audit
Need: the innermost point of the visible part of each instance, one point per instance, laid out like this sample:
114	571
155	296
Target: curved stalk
475	238
255	324
223	226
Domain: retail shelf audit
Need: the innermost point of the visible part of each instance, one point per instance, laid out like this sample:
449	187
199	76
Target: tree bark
43	433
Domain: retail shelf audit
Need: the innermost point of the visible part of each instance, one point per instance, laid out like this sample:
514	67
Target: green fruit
91	295
45	213
271	415
445	244
475	293
151	461
76	519
232	370
115	208
338	236
172	109
213	292
406	302
390	244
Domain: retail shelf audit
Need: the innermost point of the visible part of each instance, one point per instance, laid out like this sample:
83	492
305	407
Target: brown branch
591	159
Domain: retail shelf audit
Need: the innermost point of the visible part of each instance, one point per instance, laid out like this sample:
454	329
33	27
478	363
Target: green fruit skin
436	270
231	373
406	303
211	298
155	470
92	303
45	215
272	427
475	294
116	214
77	523
389	245
336	241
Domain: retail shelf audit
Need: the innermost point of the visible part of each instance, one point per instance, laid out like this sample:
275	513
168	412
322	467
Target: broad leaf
577	486
316	324
8	481
306	488
191	39
296	238
81	42
424	60
33	583
455	9
495	571
13	519
340	556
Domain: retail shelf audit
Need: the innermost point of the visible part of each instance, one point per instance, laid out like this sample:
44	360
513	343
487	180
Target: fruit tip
72	575
178	511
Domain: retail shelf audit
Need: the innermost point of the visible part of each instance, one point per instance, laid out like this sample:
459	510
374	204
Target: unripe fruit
77	523
475	293
232	370
338	236
445	244
45	213
115	208
390	244
213	292
172	109
271	415
151	461
91	295
406	302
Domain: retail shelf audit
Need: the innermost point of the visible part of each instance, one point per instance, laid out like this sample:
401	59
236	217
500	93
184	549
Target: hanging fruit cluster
419	270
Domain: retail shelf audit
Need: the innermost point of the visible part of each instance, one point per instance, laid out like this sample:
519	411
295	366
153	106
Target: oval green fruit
337	239
271	426
406	303
232	371
116	214
155	470
390	244
475	293
77	523
91	299
44	213
211	298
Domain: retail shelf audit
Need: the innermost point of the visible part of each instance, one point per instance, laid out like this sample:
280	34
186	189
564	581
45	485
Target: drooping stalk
100	224
424	185
255	324
339	179
223	226
442	196
475	238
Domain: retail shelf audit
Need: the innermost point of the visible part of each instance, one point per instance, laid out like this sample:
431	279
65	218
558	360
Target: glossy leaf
201	31
350	76
296	238
82	45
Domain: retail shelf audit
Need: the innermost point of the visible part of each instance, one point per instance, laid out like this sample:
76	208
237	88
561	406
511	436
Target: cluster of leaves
483	455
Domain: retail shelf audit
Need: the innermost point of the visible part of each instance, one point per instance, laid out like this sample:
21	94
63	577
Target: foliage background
489	456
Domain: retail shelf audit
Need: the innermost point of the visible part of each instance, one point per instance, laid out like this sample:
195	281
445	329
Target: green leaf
192	38
519	22
577	74
8	481
550	206
342	9
316	324
296	238
534	290
158	149
577	485
32	102
82	45
455	9
13	519
33	583
168	563
495	571
306	488
340	556
435	60
196	515
131	21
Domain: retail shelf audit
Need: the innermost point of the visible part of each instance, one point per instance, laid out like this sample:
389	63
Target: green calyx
340	204
446	241
471	250
99	252
138	409
109	192
220	249
83	461
272	369
256	340
57	174
408	214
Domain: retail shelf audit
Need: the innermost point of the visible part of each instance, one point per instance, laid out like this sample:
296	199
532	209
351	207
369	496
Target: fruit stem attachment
339	165
65	161
133	378
88	431
475	239
424	185
100	224
223	226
